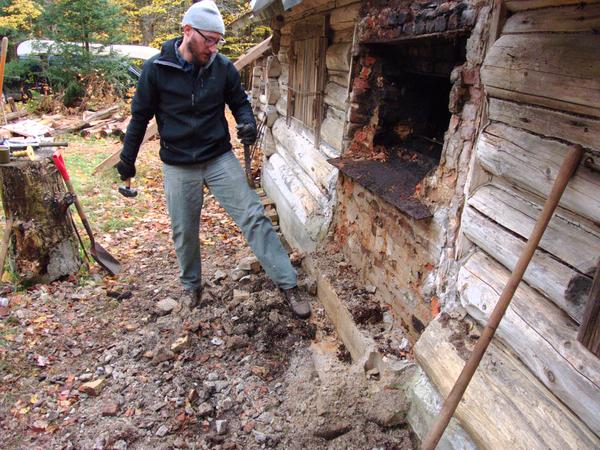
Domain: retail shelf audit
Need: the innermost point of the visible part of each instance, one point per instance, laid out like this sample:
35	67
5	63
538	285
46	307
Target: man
186	88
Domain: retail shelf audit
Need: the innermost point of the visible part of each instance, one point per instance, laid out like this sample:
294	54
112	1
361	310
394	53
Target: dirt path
101	363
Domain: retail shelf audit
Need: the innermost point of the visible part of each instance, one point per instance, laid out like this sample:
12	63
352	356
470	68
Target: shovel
102	257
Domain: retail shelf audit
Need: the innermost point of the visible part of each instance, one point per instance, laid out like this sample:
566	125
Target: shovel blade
105	259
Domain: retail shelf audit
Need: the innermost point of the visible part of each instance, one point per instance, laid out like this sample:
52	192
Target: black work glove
126	170
246	133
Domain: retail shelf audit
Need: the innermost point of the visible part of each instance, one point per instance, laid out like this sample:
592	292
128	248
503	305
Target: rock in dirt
240	296
205	409
162	354
333	430
85	377
93	388
110	409
250	264
237	274
388	408
180	344
219	276
39	426
166	305
162	431
221	426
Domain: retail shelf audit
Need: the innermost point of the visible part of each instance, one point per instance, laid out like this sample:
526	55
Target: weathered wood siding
295	171
542	78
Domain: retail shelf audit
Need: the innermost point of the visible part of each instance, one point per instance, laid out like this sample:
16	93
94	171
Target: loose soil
237	373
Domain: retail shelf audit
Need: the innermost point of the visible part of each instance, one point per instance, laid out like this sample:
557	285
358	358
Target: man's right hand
126	170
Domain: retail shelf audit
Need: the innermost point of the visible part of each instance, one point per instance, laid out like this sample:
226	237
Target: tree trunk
43	244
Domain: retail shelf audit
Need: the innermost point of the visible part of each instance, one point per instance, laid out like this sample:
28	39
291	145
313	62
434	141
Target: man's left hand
246	133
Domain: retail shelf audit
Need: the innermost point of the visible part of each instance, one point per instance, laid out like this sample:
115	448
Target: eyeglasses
210	41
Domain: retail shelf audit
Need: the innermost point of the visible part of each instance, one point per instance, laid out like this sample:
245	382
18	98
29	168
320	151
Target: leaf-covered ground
100	362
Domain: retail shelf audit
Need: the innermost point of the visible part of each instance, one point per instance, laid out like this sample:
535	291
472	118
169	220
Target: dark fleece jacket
189	110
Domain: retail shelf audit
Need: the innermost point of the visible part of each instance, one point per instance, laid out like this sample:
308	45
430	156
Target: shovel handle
62	168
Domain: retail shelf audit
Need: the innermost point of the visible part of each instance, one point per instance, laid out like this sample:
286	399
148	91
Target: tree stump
43	242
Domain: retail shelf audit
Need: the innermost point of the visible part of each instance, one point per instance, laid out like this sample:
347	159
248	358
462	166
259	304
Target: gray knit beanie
205	16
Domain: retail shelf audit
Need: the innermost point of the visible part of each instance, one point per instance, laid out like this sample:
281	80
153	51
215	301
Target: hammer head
126	191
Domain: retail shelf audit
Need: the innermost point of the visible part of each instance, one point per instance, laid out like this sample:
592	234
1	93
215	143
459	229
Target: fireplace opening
407	105
414	94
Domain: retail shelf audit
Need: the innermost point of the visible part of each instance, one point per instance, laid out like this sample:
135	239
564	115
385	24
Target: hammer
127	191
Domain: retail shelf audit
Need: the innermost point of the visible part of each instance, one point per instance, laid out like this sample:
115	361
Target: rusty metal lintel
396	184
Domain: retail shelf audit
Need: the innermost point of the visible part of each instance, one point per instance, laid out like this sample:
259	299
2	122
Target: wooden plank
253	54
546	274
505	406
523	5
563	67
532	162
569	19
541	335
547	122
573	242
589	332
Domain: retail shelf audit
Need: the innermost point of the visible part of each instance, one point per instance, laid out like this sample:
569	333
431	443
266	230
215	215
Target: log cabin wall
542	80
403	242
296	174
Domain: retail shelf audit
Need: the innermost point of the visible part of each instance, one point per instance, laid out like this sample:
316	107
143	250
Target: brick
471	77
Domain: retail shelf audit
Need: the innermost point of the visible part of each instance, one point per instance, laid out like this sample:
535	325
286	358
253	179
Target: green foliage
84	21
18	18
78	69
75	72
40	103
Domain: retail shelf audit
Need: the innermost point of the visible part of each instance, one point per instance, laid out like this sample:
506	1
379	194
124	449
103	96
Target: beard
198	57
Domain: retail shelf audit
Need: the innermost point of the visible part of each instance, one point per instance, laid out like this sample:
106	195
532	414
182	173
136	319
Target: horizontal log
569	19
303	219
343	36
547	122
302	154
562	67
344	17
576	243
544	273
522	5
541	335
332	130
496	409
339	77
286	40
15	115
273	67
85	122
336	96
338	57
532	163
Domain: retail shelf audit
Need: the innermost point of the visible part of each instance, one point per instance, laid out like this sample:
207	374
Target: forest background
76	76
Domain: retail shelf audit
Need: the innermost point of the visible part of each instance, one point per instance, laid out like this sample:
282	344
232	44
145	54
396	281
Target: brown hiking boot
191	298
297	301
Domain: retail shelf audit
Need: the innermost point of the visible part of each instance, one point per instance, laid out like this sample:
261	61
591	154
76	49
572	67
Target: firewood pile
100	124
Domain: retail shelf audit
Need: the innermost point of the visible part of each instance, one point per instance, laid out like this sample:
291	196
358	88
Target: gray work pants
226	180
